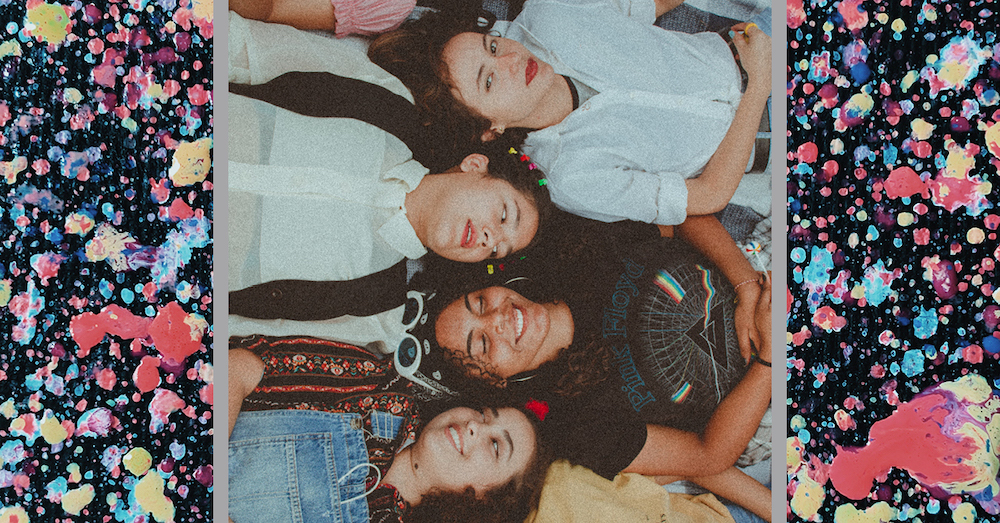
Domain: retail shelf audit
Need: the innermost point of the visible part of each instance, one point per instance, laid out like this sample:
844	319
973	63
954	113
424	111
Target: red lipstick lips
530	71
468	235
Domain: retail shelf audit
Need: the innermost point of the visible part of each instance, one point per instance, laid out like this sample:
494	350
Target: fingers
743	340
748	29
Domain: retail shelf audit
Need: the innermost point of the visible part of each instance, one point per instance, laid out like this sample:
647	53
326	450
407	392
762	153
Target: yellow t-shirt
574	494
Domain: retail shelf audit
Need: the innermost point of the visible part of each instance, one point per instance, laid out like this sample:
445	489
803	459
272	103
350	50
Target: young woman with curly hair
319	427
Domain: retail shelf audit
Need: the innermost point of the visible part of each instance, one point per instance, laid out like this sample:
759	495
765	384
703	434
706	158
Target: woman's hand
754	48
762	318
745	318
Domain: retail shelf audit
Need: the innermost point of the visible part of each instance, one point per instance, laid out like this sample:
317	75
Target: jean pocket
286	478
385	425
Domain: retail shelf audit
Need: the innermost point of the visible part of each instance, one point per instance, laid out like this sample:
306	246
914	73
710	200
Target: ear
492	133
475	163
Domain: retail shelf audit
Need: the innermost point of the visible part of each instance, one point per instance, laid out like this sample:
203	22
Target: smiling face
471	217
499	78
503	331
462	448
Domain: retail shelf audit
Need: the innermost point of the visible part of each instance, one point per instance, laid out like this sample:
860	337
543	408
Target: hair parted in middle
413	53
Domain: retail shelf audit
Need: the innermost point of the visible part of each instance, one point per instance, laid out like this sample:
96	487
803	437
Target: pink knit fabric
370	17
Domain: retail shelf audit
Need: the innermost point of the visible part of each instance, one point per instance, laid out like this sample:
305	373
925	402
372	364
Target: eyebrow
517	225
479	77
468	340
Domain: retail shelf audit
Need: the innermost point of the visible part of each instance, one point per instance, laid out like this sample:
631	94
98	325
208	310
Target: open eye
496	249
489	82
503	214
496	449
493	47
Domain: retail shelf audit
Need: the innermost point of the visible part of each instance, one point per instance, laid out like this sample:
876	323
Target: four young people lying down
473	233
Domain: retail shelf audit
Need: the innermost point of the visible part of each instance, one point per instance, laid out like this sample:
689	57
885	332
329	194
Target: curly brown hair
509	503
413	53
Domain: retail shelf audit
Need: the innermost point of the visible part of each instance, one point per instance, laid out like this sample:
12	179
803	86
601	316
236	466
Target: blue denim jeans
284	466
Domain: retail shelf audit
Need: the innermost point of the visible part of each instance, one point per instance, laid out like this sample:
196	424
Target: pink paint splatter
175	334
855	18
88	329
164	403
147	374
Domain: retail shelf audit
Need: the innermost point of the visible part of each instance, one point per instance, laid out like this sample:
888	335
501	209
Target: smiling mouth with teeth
519	327
455	439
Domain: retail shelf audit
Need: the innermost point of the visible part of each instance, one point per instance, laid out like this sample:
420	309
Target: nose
508	60
498	319
492	236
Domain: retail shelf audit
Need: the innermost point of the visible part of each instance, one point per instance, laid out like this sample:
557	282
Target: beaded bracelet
742	283
755	358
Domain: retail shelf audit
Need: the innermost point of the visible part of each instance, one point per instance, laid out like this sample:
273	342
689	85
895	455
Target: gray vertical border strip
779	246
220	291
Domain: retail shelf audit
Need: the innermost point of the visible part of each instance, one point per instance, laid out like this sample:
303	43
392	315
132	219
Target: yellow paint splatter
808	497
10	170
905	219
993	139
149	494
964	513
954	72
793	453
192	161
880	512
137	461
898	25
975	236
48	22
960	161
108	244
13	515
882	18
10	48
52	430
74	473
5	292
203	9
79	223
921	129
908	80
74	500
7	409
72	95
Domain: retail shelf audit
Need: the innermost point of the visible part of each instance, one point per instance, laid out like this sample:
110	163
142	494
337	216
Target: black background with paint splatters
37	80
851	352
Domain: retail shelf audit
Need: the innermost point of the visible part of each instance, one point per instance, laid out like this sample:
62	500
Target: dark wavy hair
517	169
413	53
509	503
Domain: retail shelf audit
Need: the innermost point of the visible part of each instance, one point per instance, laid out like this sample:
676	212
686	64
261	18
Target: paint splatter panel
105	282
894	150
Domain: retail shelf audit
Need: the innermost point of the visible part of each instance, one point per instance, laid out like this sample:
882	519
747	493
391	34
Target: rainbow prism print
682	393
669	285
706	282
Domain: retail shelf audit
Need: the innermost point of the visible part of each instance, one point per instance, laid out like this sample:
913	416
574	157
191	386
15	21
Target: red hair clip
538	408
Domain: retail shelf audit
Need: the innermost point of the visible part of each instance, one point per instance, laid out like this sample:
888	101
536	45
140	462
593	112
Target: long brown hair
509	503
413	53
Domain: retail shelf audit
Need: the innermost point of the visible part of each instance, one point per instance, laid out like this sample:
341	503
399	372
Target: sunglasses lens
407	351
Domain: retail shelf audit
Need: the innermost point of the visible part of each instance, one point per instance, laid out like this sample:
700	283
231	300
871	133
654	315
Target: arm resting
670	451
714	187
245	372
